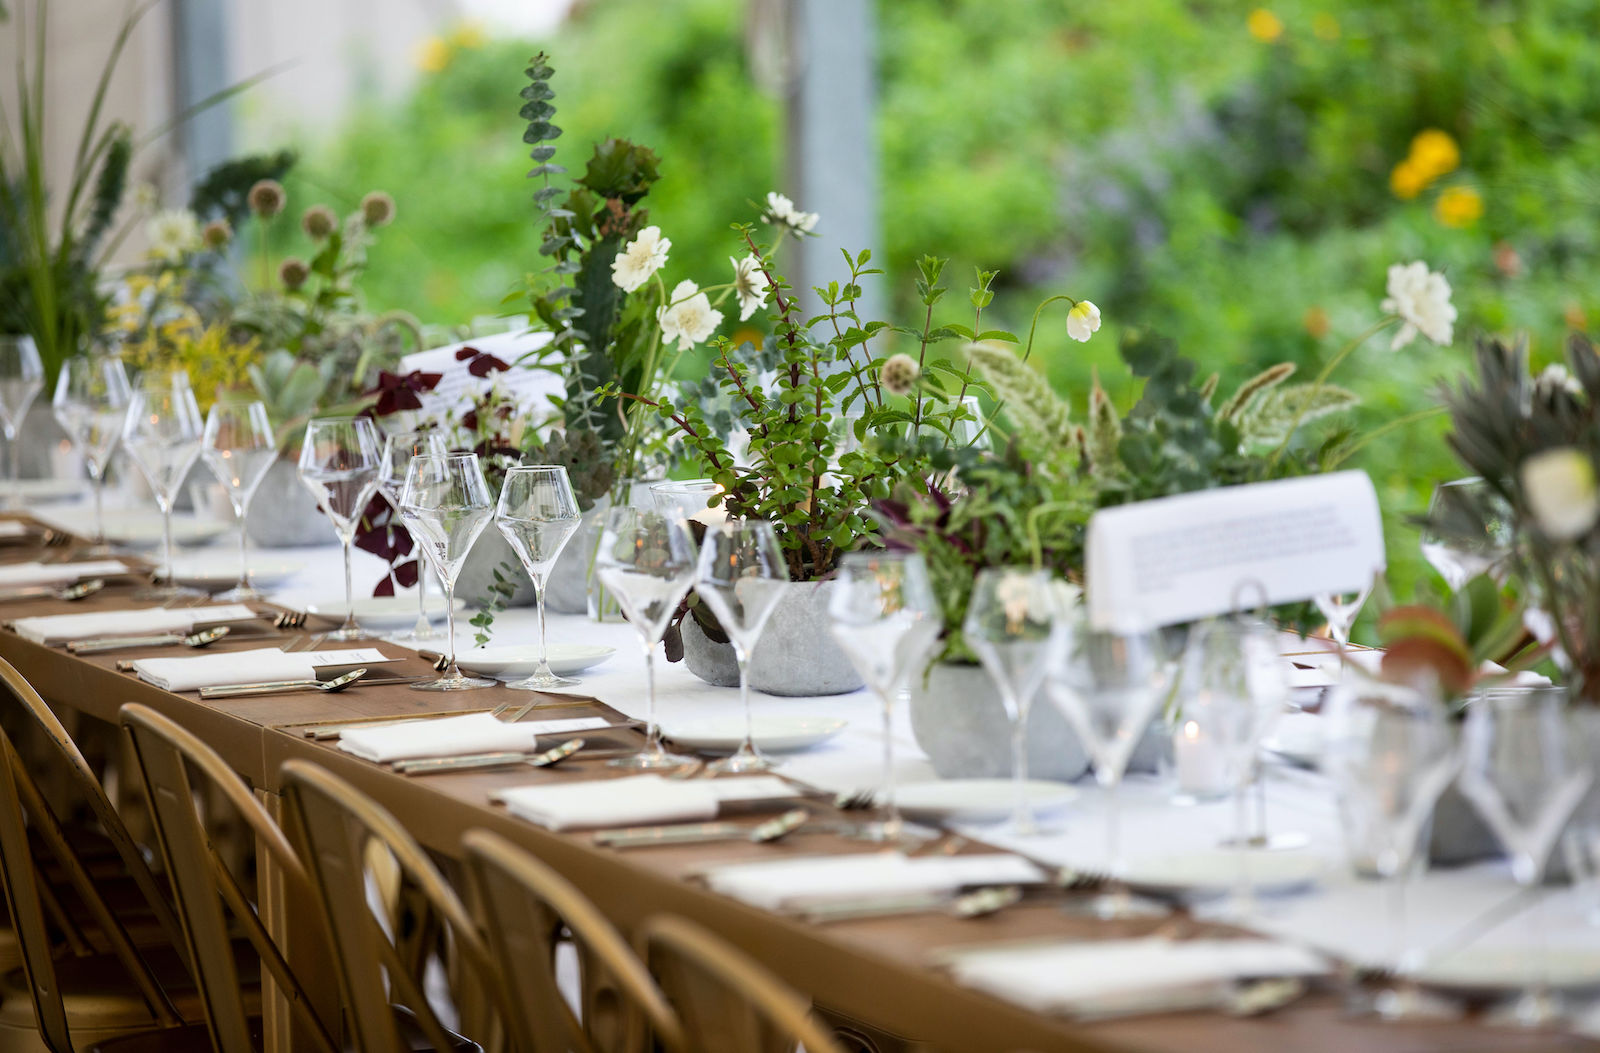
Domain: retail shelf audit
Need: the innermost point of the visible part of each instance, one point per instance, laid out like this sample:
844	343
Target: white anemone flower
749	285
1556	377
173	234
1422	300
641	258
782	210
1082	321
688	317
1561	491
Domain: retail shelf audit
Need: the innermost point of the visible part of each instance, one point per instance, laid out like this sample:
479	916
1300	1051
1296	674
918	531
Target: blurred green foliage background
1221	172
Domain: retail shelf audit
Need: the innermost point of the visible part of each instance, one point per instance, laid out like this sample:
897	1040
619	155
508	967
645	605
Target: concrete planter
962	726
283	513
567	589
491	552
795	656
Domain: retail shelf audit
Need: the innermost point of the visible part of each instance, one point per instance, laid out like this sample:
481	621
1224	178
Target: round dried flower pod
216	234
899	374
318	222
377	208
267	198
293	272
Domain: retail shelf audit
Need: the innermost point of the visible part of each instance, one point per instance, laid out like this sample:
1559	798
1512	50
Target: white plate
41	491
144	530
1217	870
220	570
565	659
1479	968
384	612
976	800
774	733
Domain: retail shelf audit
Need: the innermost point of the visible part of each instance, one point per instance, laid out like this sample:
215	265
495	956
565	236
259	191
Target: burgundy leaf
385	587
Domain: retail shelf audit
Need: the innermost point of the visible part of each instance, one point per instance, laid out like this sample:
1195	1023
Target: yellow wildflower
469	35
433	55
1316	322
1407	180
1434	153
1264	25
1325	26
1458	206
1576	317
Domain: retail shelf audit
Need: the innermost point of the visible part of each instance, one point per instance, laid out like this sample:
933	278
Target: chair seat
100	997
195	1038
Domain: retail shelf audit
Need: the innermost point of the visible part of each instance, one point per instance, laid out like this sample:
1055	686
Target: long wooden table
873	971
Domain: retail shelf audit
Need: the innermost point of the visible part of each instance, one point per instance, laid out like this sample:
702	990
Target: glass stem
1242	905
13	457
422	593
742	657
1539	992
350	592
1260	836
652	742
538	601
1022	815
242	509
97	476
454	671
166	540
891	823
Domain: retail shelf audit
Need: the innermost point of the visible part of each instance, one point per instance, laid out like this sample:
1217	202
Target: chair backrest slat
207	891
527	909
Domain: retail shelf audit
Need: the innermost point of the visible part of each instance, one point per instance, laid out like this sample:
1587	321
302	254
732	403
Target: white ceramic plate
141	530
976	800
40	491
774	733
384	612
565	659
220	570
1215	871
1477	968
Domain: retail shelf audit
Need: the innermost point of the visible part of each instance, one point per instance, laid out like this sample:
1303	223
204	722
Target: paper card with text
459	387
1180	558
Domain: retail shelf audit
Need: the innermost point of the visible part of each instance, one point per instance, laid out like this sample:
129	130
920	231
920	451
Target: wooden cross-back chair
79	994
528	909
208	893
728	1002
338	826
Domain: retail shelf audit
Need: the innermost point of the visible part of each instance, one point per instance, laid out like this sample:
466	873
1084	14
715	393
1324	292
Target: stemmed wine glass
1012	625
1109	686
740	577
647	561
1341	608
163	434
91	405
339	465
1526	773
538	514
398	449
1391	752
239	447
446	504
886	619
21	377
1459	555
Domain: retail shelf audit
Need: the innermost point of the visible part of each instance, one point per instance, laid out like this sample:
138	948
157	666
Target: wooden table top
876	971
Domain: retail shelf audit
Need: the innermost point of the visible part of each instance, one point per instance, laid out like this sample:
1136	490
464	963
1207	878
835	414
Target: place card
459	386
1177	559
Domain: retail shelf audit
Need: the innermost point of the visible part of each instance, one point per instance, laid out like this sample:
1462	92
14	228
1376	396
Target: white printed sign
458	388
1176	559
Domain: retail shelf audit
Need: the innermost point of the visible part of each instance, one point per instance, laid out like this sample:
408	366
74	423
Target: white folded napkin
10	528
193	672
816	880
628	801
1104	977
455	737
21	575
56	628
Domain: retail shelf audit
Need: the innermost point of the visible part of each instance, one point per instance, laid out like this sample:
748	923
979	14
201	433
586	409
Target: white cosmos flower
1562	494
1556	377
641	258
1082	321
1422	300
749	284
781	210
688	317
173	234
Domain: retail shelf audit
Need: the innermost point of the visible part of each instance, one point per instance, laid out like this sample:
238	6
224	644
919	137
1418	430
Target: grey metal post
201	69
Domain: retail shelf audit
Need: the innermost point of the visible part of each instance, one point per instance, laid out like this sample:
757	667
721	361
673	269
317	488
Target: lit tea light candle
1202	768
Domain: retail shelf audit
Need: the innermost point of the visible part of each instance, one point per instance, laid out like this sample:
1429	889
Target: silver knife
99	644
273	687
432	765
677	834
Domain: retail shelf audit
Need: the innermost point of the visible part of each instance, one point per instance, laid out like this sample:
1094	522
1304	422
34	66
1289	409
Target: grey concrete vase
961	724
491	552
795	656
283	514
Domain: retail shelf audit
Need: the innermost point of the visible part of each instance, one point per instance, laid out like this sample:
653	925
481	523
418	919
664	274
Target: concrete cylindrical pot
796	654
566	590
961	724
283	514
493	552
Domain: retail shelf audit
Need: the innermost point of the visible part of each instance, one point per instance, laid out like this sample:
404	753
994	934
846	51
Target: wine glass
163	434
21	377
887	620
398	449
647	561
91	405
696	500
1109	686
1468	546
1526	773
740	577
239	447
1391	752
446	504
1341	608
1013	628
339	465
538	514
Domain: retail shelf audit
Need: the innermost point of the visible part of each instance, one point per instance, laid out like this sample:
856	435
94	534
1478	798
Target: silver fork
854	800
